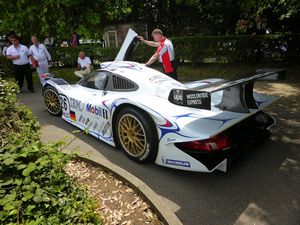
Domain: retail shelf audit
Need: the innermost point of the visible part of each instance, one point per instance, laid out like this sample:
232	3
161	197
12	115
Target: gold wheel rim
52	101
132	135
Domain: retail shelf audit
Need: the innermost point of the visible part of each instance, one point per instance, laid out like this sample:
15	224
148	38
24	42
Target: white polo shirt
21	50
40	53
84	62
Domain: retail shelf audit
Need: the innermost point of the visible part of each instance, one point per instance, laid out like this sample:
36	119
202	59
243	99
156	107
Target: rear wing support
238	98
237	94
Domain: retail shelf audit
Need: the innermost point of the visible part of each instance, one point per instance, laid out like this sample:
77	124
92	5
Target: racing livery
193	126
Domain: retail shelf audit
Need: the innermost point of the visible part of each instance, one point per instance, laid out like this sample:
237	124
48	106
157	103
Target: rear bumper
250	131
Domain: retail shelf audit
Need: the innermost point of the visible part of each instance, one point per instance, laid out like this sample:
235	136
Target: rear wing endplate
237	94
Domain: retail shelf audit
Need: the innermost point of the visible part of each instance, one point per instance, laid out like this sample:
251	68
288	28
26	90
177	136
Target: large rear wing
237	94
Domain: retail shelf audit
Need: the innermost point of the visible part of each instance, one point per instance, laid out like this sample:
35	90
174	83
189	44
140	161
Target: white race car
192	126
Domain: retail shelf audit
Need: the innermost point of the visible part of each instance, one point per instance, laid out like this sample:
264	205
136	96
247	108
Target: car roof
140	74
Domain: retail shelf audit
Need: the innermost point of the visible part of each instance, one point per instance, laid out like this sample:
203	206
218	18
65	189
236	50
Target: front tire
136	134
52	101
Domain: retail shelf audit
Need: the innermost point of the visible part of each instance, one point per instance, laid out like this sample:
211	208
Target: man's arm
152	59
89	61
149	43
10	57
47	52
78	66
30	56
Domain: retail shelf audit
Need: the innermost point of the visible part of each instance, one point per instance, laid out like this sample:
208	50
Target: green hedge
237	48
194	49
5	66
34	189
67	56
198	49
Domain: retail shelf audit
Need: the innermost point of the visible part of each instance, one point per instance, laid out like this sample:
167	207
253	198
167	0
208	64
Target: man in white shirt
19	54
84	65
42	56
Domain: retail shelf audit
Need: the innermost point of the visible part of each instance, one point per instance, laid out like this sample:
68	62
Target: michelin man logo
178	96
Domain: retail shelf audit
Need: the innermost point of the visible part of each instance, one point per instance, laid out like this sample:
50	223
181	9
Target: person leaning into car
164	52
84	65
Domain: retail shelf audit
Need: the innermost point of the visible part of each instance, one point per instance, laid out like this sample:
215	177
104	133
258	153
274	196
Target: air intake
123	84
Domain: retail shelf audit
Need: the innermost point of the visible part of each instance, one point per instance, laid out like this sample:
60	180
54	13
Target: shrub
237	48
67	56
194	49
199	49
5	67
34	189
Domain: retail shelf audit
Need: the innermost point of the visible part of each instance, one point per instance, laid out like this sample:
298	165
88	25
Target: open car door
128	46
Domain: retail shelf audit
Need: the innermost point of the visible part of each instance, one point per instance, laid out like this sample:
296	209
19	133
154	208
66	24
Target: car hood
128	46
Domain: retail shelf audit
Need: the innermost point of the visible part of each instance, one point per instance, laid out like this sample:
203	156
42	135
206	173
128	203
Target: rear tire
136	134
52	101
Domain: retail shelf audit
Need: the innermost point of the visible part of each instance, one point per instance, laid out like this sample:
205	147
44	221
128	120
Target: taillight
218	142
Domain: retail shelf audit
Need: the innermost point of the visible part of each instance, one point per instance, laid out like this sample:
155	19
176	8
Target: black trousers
21	71
173	74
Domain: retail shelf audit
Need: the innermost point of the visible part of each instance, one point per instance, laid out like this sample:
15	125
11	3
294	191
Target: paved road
263	189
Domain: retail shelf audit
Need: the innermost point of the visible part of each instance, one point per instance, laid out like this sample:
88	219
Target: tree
58	18
211	17
186	17
278	15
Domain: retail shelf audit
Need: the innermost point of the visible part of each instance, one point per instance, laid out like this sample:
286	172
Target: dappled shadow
262	189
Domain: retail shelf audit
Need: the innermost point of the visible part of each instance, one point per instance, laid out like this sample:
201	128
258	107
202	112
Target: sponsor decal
158	79
97	110
105	128
76	104
66	114
101	126
95	125
89	125
171	140
65	105
178	96
190	98
72	115
177	162
87	121
196	98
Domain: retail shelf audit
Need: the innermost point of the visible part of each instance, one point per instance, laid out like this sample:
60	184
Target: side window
94	80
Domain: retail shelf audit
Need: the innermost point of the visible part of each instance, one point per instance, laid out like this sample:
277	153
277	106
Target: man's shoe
31	90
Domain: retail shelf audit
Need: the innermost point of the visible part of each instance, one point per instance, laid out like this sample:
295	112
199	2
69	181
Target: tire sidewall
53	90
151	134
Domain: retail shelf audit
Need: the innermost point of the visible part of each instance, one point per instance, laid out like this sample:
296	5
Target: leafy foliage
34	189
206	17
195	49
230	48
59	17
67	56
186	17
5	66
277	16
